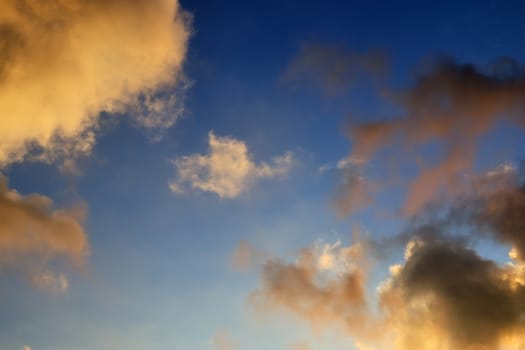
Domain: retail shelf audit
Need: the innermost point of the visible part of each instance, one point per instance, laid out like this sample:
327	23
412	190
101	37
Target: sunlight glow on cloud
63	62
443	296
228	170
32	233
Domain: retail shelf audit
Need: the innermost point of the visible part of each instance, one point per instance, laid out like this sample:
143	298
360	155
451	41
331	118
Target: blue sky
159	273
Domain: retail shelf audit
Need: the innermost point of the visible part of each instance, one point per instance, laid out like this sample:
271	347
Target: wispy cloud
453	104
333	67
222	341
227	170
62	63
50	281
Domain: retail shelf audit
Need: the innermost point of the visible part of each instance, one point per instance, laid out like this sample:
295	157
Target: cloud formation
50	281
333	67
63	62
228	170
33	233
443	295
222	341
324	285
453	104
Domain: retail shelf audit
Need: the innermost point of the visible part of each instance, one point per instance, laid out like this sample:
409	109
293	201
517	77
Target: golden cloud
32	233
443	296
63	62
228	170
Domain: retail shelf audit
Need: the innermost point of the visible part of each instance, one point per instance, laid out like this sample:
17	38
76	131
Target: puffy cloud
450	103
63	62
32	233
444	295
228	170
325	285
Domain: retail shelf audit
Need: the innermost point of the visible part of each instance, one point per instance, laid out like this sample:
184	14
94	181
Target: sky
289	175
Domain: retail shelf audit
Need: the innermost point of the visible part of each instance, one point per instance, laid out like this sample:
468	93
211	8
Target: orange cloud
32	233
442	296
453	104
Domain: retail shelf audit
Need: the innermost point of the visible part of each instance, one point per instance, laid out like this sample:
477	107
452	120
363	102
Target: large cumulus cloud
63	62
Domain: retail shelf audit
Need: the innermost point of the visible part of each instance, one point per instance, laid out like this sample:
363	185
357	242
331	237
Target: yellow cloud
228	169
62	62
32	233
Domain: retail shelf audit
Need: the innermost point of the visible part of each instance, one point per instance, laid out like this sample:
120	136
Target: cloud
33	233
247	257
453	104
300	346
332	67
63	62
353	191
228	170
325	285
443	295
50	281
222	341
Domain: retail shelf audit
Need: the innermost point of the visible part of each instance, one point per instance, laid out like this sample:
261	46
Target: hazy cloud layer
222	341
228	170
444	295
33	233
333	67
62	62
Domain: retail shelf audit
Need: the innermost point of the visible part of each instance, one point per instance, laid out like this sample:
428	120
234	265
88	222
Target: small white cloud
228	170
345	163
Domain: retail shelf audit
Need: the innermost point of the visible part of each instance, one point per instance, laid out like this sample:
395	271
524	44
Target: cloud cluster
63	62
325	285
228	170
452	104
444	295
32	233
